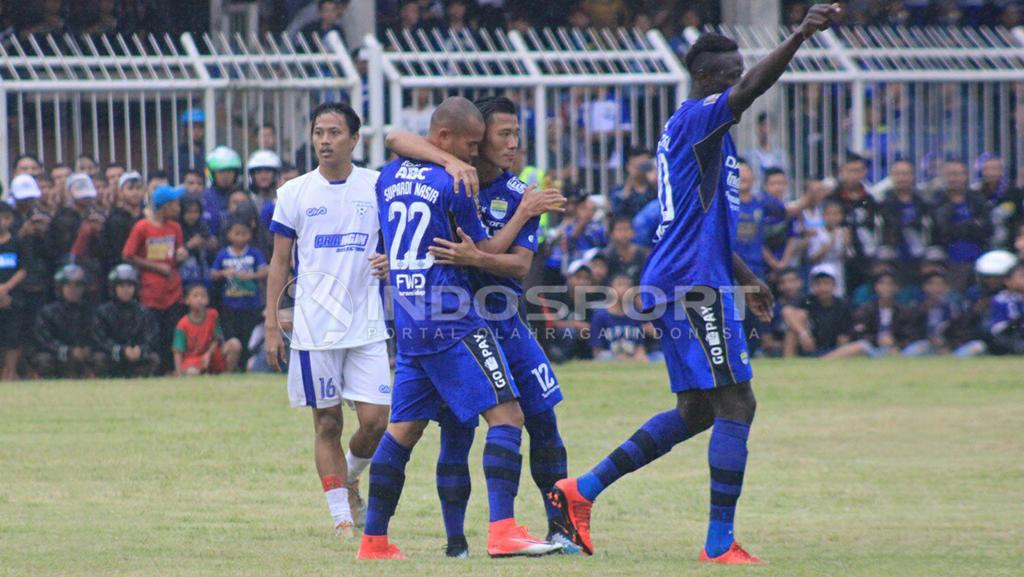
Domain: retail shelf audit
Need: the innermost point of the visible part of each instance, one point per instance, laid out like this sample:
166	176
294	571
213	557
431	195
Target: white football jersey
335	227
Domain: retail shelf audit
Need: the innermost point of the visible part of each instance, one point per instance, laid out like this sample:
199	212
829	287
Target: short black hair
238	222
86	156
762	116
884	274
852	157
25	155
638	151
490	105
934	274
196	172
113	165
193	286
709	43
769	172
619	220
341	108
787	270
158	174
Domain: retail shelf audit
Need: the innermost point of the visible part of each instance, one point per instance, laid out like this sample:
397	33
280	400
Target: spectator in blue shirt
640	186
614	332
1005	323
242	268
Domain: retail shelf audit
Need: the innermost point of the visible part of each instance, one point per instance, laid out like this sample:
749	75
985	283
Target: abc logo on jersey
323	311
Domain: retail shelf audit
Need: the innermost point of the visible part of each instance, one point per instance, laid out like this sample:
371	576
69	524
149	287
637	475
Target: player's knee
735	403
696	412
328	426
505	414
407	433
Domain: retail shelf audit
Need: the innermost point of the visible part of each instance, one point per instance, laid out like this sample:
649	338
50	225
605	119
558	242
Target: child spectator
584	232
85	254
750	230
790	288
882	327
831	245
1005	323
194	183
783	244
124	332
12	272
566	334
242	268
624	256
823	323
156	247
199	346
199	242
938	310
614	335
62	332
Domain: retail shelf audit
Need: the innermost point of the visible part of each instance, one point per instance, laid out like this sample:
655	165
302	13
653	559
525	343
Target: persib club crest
362	207
499	208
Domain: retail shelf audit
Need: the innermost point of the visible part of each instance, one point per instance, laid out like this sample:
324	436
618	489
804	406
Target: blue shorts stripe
307	378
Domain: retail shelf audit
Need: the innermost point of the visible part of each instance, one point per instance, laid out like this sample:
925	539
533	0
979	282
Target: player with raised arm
688	283
325	224
502	203
446	353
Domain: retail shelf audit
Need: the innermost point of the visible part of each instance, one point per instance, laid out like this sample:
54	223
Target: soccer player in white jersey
325	225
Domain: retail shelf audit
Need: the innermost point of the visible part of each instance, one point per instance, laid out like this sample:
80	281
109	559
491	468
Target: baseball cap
825	269
133	175
81	186
25	187
995	263
578	265
164	194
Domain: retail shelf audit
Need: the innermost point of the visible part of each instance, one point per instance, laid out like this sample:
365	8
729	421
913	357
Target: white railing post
672	62
355	89
209	96
857	130
540	101
5	151
375	91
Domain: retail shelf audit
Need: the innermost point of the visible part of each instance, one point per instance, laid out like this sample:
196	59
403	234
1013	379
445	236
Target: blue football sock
655	438
727	458
502	466
453	482
548	460
387	476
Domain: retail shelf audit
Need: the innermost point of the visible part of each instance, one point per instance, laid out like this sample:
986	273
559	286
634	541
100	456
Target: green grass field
883	468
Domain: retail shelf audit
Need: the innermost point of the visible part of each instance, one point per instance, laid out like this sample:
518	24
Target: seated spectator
614	334
885	262
832	245
156	248
201	245
62	333
939	309
906	217
790	293
12	272
123	331
624	256
199	345
640	186
1005	323
823	323
968	332
242	268
962	224
565	337
881	327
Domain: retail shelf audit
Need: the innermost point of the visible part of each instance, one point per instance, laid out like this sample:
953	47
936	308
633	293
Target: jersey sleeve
464	212
283	221
528	235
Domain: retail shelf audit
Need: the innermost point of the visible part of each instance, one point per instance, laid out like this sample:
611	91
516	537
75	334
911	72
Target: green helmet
223	158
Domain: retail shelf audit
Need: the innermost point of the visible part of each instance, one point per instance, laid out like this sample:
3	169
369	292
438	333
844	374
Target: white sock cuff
356	466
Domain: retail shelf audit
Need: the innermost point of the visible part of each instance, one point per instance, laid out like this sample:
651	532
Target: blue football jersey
698	176
499	200
432	303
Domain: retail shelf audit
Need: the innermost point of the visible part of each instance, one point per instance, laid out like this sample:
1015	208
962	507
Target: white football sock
356	466
337	502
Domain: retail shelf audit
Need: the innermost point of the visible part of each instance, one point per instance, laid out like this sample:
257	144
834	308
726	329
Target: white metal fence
586	96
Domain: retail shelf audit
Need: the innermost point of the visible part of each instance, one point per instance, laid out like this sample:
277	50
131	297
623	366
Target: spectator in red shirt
156	246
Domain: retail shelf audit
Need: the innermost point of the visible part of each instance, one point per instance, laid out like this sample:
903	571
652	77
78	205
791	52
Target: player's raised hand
379	266
464	253
819	18
536	202
465	177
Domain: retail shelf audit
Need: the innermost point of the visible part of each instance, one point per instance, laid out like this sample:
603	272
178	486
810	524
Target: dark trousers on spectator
166	320
48	366
146	366
239	324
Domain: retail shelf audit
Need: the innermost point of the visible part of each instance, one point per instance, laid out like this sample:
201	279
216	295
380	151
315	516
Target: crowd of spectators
858	268
679	20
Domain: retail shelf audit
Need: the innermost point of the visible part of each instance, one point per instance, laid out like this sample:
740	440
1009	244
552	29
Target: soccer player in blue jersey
446	353
688	284
502	204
